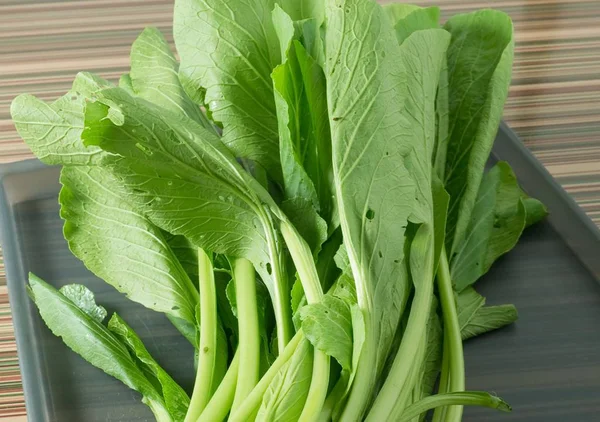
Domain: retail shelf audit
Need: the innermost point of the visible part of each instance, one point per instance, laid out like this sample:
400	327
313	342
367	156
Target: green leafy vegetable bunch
303	194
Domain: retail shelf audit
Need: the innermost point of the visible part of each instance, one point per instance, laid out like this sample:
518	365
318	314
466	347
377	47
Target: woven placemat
554	102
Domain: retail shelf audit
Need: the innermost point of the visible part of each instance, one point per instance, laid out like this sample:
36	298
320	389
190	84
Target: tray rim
35	402
569	220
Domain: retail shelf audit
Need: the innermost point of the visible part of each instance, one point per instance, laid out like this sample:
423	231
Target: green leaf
304	9
338	396
225	307
489	318
305	143
176	400
154	75
83	298
125	83
535	210
497	221
468	302
309	224
328	326
399	11
185	252
118	243
475	319
373	188
416	20
94	342
53	131
189	184
284	399
418	135
230	52
479	69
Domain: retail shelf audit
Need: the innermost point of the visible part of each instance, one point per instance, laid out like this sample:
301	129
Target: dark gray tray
547	365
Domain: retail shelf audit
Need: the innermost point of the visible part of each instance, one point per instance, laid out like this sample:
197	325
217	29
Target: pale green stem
333	399
439	413
281	300
252	402
398	379
464	398
413	379
208	338
249	342
452	336
305	266
220	403
365	377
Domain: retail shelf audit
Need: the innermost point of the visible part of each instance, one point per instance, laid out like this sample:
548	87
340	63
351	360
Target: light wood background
554	102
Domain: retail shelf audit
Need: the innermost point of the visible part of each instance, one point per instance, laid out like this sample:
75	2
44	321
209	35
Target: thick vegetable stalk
252	402
399	382
302	257
468	398
453	375
220	403
305	266
249	342
203	385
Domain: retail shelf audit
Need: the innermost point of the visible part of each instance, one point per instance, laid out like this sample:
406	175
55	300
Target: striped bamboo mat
554	102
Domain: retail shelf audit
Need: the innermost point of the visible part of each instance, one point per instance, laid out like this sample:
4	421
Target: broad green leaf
306	220
284	399
186	253
339	394
304	9
497	221
118	243
94	342
316	153
423	74
479	69
154	75
294	119
328	326
189	183
83	298
229	52
125	83
365	96
418	135
535	210
176	400
53	131
416	20
468	302
398	11
489	318
305	143
475	319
